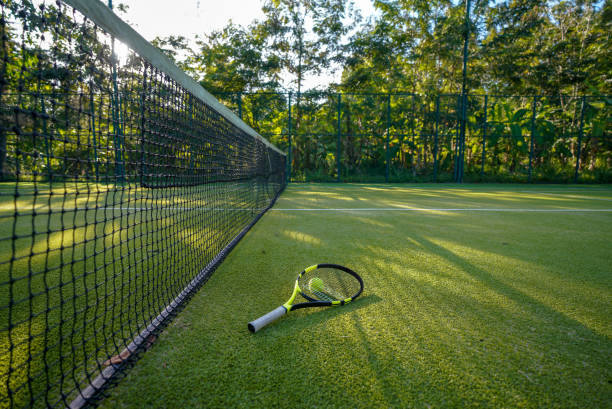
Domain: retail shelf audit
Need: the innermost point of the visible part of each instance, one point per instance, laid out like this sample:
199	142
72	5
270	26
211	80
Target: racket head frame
313	302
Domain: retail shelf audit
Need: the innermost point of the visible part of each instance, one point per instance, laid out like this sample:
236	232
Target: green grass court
503	301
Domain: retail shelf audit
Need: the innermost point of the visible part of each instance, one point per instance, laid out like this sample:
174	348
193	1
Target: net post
387	142
580	134
435	152
239	97
339	136
484	135
531	143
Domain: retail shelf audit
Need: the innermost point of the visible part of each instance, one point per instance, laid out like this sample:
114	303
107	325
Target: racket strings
329	284
322	295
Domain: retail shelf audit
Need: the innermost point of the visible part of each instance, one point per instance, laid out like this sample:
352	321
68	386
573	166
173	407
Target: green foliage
558	50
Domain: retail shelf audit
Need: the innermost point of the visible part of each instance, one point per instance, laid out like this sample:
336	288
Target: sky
162	18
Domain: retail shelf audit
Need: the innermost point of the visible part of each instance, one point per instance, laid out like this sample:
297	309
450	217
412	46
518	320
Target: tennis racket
322	285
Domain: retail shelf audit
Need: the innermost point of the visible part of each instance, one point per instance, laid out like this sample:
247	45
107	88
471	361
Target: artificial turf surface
460	308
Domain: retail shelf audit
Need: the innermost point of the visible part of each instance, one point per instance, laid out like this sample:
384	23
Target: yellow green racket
322	285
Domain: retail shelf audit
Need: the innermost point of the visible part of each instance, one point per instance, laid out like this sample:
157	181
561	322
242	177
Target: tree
306	35
307	38
234	60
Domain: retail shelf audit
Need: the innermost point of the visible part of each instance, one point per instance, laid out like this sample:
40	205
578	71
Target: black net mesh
120	191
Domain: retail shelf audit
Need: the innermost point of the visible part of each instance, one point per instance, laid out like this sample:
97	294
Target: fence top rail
409	94
97	91
526	96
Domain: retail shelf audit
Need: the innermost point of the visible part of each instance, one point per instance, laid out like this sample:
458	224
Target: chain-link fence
403	137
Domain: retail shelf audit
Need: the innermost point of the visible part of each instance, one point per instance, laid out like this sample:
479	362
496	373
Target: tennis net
123	184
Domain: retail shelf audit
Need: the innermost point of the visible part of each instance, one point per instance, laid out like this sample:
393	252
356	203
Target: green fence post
412	135
580	132
46	134
117	134
462	137
531	144
484	136
464	93
290	142
143	123
339	137
457	140
435	175
387	144
92	111
192	151
116	114
240	105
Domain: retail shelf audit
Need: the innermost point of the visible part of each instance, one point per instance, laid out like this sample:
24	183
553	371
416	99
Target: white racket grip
269	318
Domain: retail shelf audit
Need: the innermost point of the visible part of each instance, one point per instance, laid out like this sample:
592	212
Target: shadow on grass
554	333
529	303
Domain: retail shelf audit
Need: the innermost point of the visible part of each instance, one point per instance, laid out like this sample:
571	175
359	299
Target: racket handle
269	318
